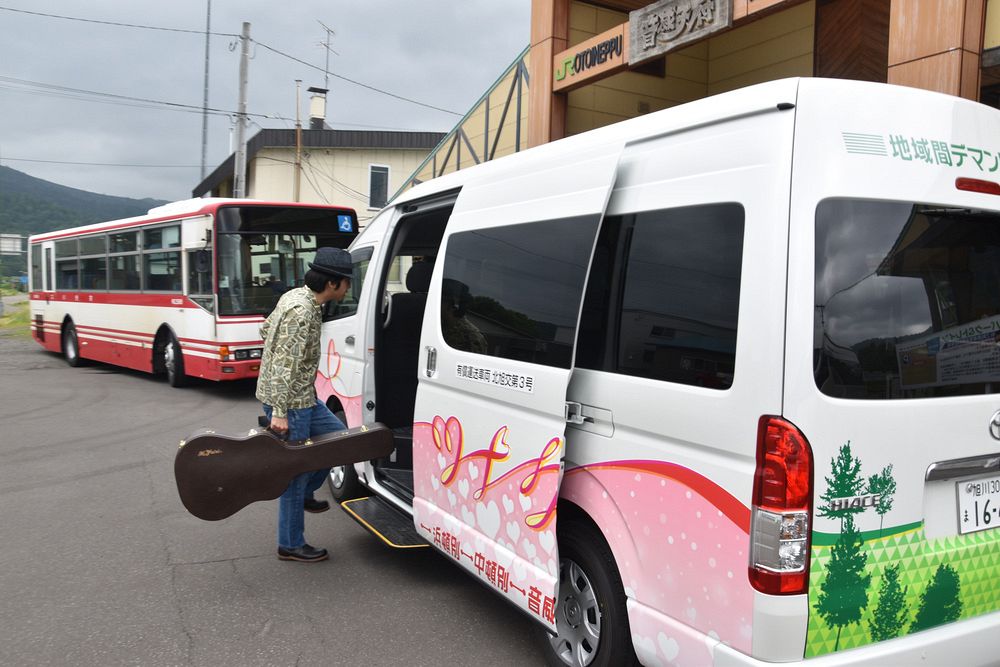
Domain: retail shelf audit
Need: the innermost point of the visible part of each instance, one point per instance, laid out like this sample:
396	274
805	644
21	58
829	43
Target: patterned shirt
291	333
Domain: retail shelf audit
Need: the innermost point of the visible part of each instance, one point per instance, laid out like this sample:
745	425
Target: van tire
71	345
597	601
343	480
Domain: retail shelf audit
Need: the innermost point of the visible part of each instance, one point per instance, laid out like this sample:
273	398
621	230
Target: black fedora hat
333	262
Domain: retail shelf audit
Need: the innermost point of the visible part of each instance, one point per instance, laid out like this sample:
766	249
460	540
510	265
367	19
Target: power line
101	164
115	23
58	89
356	83
261	44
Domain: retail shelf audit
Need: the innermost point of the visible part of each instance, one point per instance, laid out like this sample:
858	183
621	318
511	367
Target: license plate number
978	504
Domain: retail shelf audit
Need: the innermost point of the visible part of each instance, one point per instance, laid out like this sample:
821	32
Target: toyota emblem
995	425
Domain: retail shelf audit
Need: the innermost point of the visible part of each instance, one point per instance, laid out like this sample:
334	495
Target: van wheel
173	362
71	346
344	483
591	619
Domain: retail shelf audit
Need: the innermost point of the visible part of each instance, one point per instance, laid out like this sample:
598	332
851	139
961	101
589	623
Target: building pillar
549	36
937	45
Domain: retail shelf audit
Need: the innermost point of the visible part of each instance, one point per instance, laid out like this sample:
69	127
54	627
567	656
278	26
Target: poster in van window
958	355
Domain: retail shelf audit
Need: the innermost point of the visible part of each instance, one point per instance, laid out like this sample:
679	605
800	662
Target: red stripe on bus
118	299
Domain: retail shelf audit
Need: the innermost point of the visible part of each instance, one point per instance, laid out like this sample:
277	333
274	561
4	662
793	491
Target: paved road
101	565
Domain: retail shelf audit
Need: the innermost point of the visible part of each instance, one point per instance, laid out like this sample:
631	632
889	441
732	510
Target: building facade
596	62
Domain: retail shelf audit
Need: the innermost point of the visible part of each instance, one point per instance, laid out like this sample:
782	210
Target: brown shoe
304	554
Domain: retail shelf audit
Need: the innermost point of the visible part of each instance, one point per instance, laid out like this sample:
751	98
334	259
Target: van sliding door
496	351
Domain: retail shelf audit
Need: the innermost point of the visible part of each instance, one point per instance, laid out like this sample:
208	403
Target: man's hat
333	262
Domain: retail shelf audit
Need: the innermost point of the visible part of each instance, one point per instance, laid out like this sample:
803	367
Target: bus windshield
265	251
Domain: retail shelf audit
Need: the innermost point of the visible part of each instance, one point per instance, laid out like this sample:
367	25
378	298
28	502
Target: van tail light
782	509
978	185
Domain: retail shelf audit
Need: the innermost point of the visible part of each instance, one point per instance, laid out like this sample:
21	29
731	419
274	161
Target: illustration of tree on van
889	617
843	595
882	484
845	482
940	603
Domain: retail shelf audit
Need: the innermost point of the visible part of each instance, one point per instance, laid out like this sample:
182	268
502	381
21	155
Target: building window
378	186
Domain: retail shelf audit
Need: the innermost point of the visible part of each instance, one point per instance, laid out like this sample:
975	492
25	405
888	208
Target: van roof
744	102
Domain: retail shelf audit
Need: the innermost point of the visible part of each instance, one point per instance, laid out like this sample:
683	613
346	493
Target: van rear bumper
971	642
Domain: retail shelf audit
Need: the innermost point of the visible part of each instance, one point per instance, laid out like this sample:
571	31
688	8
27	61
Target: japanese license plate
978	504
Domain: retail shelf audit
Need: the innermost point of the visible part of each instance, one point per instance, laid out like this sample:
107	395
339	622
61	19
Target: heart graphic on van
488	518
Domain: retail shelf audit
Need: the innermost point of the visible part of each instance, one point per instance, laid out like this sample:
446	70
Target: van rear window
907	300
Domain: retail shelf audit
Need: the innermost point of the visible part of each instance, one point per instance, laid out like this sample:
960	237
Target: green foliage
31	205
845	482
884	484
890	614
940	603
843	595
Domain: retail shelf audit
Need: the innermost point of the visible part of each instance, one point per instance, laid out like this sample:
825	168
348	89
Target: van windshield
907	300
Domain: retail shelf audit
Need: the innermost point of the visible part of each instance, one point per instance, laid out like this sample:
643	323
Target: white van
719	385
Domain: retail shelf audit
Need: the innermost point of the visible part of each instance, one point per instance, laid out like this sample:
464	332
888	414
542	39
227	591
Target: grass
16	320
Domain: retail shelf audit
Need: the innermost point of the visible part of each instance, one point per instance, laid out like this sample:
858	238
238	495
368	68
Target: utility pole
298	142
204	99
240	175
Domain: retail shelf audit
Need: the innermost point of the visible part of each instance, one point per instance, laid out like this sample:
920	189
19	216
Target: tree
843	595
940	603
890	614
845	481
883	484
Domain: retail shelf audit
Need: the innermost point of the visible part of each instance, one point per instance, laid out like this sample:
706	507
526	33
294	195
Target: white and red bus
180	291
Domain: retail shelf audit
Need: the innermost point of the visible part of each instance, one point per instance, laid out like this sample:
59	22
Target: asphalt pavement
100	564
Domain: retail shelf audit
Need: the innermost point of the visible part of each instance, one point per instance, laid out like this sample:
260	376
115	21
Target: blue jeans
302	423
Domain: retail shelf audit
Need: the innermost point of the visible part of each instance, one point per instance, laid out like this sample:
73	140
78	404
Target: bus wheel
71	345
173	362
591	619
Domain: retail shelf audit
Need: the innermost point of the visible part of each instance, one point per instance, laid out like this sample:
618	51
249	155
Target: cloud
444	54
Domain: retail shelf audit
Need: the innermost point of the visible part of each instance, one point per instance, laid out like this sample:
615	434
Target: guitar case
218	475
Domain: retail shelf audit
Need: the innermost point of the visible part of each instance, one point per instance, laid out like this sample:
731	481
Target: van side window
670	280
514	292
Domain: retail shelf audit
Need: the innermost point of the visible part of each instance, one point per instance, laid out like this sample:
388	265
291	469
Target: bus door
496	352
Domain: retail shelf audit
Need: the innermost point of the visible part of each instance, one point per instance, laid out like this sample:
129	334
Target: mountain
30	205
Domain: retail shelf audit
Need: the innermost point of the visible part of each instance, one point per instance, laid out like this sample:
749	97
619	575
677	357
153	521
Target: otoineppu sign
666	25
602	54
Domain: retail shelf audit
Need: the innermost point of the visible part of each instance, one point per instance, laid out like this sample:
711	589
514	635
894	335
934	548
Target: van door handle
349	340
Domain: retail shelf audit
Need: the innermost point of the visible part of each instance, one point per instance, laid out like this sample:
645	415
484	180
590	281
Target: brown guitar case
218	475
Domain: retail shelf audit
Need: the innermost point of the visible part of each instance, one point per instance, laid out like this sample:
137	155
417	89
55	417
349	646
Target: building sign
10	244
666	25
601	55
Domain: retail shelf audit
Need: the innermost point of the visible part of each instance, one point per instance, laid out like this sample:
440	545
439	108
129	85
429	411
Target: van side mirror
203	261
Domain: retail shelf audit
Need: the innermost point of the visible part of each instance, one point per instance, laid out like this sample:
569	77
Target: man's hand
279	425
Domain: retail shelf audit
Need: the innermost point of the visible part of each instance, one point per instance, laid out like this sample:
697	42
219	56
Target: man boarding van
719	385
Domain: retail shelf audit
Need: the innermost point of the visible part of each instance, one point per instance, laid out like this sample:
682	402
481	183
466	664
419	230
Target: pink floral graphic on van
330	383
497	525
681	542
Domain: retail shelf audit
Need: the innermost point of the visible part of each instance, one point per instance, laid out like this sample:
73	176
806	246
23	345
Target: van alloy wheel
578	617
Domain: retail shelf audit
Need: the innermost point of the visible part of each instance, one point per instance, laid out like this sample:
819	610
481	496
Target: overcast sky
445	54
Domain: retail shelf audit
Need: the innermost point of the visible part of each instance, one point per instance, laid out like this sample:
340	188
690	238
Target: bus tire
71	345
173	362
592	627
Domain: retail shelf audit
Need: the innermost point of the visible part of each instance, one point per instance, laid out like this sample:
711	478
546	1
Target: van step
388	523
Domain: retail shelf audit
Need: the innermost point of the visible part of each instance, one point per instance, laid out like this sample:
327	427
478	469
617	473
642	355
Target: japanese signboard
11	244
666	25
